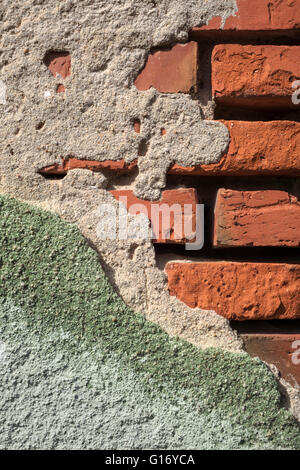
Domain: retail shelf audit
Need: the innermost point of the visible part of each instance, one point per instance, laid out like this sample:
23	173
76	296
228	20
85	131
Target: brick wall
249	268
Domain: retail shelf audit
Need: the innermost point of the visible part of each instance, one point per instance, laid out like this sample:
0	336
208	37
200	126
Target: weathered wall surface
80	370
93	119
156	98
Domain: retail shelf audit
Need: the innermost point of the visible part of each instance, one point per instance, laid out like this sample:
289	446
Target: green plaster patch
50	400
56	281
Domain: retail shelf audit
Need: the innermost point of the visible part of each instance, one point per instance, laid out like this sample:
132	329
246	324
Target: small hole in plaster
60	88
143	148
132	251
40	125
58	62
52	176
137	126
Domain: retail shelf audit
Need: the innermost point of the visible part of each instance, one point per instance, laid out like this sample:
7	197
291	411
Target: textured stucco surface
94	118
79	369
131	265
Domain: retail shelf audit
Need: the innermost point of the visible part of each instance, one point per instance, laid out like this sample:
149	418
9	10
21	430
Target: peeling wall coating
94	119
68	71
93	373
258	15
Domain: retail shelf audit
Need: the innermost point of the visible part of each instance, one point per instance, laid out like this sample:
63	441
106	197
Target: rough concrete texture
130	264
131	267
94	119
91	373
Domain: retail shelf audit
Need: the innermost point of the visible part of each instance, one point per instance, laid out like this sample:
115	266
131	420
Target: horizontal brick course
256	148
93	165
179	232
171	71
238	291
256	218
256	15
277	344
255	76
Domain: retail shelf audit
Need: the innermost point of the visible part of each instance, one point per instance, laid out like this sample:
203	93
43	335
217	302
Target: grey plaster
50	400
93	119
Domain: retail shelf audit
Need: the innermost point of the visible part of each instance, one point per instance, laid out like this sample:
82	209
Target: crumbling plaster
93	119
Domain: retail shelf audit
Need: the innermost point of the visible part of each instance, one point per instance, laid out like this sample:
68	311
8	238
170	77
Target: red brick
256	218
238	291
277	344
256	148
256	15
60	89
171	71
59	63
256	76
93	165
179	197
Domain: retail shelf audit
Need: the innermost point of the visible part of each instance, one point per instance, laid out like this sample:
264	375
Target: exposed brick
256	148
171	71
256	76
256	15
275	344
238	291
137	126
256	218
94	165
60	89
179	232
59	63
